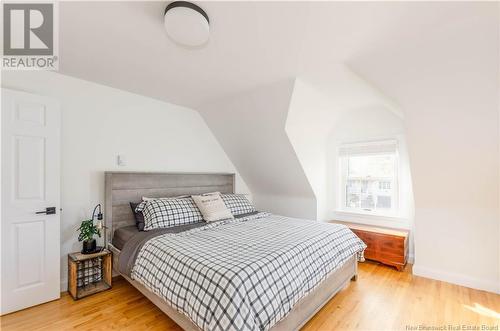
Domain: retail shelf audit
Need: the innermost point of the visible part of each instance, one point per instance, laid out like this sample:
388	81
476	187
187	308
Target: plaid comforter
243	274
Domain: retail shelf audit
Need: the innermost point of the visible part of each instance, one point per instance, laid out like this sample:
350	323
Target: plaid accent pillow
238	204
166	213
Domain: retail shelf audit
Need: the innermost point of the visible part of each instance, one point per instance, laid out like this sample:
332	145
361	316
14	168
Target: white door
30	255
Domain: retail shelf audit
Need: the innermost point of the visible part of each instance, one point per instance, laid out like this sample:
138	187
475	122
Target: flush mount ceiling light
186	24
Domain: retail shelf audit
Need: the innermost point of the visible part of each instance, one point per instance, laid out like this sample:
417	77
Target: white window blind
373	147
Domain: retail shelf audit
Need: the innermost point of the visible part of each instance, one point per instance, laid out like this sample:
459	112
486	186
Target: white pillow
212	207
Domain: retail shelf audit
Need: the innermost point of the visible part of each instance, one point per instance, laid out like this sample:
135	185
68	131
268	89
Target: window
369	177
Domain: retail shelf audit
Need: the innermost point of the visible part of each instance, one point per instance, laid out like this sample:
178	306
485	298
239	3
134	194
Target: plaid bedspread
243	274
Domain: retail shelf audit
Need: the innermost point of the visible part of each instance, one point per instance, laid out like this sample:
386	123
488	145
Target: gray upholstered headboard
121	188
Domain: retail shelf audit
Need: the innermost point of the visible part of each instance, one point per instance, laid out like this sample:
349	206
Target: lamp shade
186	24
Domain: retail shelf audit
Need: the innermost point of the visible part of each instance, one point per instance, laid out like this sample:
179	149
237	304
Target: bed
250	235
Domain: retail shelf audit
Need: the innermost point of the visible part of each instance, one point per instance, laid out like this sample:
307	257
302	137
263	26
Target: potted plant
87	231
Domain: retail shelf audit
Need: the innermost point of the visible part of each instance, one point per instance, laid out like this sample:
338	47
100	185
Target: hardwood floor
381	299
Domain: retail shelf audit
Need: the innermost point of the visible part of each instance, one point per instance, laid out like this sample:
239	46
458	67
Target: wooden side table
385	245
89	273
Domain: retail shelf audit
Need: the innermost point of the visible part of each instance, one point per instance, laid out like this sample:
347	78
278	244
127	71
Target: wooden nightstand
385	245
89	273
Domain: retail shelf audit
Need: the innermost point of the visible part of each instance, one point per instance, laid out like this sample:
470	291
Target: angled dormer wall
340	107
251	128
282	139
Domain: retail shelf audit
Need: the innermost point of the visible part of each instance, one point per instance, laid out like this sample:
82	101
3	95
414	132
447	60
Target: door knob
47	211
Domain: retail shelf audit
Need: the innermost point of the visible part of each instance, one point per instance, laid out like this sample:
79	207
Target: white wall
447	83
98	123
310	117
455	171
291	206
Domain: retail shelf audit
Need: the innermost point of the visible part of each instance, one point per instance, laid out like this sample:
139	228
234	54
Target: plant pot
89	246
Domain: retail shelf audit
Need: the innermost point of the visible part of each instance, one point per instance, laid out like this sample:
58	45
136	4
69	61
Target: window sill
372	219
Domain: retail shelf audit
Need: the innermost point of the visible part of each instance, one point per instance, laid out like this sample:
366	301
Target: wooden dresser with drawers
385	245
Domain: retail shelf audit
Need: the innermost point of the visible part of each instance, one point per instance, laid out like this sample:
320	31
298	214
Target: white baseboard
64	285
411	259
462	280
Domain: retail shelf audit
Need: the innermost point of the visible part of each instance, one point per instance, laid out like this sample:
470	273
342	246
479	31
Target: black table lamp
100	224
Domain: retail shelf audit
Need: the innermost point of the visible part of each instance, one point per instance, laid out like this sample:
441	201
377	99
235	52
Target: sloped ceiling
250	127
123	44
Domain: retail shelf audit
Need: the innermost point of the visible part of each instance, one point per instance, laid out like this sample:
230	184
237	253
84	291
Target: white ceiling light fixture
187	24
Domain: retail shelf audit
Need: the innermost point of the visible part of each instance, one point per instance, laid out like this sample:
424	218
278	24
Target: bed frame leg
355	276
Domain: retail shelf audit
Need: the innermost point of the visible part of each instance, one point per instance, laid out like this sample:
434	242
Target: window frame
343	176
